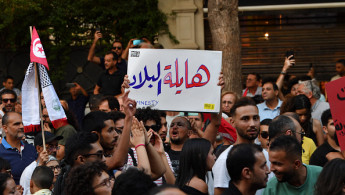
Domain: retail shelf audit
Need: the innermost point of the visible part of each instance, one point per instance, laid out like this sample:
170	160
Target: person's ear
96	132
246	173
80	159
288	132
4	127
232	121
39	149
325	129
297	163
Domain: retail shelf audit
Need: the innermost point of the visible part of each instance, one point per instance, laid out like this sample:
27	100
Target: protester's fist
137	134
77	86
43	158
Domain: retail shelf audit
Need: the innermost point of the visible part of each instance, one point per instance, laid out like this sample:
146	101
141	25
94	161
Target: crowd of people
277	137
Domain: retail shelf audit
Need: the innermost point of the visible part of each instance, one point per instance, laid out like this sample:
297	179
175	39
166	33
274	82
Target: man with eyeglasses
116	47
8	101
51	148
288	124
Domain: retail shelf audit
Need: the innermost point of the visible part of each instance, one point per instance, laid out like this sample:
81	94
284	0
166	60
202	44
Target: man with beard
18	153
291	175
248	172
245	119
8	101
330	149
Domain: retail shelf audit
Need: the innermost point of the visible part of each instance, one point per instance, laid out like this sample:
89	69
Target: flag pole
39	99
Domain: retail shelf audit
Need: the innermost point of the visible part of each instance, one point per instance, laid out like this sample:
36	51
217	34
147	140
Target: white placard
174	79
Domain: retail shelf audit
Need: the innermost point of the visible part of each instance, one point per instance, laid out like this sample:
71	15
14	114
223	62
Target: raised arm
78	87
125	52
156	163
287	64
138	141
119	156
91	56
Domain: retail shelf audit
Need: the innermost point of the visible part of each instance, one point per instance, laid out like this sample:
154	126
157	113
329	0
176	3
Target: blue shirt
266	113
18	160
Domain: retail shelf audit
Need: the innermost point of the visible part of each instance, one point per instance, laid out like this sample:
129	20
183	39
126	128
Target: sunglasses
264	134
153	127
117	48
11	100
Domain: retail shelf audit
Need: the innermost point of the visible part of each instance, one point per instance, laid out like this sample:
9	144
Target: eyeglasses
117	48
52	147
153	127
53	168
300	132
105	182
12	100
98	155
264	134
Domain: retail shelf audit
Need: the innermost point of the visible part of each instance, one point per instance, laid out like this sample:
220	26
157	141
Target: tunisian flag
36	50
30	101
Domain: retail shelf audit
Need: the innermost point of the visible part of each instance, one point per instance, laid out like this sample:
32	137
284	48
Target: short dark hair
341	61
145	114
243	101
8	77
266	121
94	101
157	190
274	85
94	121
79	180
3	181
8	91
79	144
288	144
117	41
116	115
43	177
115	56
112	102
236	159
325	117
280	125
133	181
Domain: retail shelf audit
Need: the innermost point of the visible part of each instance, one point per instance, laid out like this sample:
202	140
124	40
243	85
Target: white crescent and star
38	49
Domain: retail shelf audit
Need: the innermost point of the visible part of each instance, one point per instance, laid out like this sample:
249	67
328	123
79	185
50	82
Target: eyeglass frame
105	182
98	154
57	167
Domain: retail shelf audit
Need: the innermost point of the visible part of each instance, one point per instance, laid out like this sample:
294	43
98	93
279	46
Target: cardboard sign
175	80
336	98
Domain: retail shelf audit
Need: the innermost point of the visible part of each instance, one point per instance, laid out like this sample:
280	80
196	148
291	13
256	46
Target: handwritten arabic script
196	81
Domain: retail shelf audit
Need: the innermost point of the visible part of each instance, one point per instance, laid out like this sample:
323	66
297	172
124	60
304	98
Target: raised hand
129	105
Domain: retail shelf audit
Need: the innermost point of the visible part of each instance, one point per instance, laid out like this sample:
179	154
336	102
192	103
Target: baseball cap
49	137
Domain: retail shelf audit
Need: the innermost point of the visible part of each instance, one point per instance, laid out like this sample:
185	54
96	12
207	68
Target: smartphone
70	85
289	53
137	41
98	29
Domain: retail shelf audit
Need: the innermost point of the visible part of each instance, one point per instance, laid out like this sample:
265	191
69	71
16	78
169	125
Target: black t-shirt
110	84
319	156
192	191
175	160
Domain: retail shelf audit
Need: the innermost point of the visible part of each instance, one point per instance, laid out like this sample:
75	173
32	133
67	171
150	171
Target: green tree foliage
65	23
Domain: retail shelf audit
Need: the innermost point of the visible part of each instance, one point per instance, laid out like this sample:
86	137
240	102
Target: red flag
36	50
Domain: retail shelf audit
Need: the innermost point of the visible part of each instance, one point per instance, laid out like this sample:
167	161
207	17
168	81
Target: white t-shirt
26	177
220	172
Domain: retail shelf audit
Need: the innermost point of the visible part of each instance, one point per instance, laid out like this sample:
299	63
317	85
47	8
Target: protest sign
175	80
336	98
